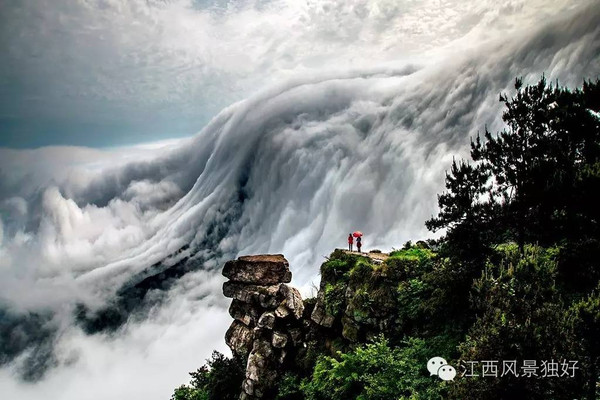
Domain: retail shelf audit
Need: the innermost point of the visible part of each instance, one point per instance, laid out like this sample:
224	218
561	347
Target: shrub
375	371
584	322
220	379
334	298
520	317
414	254
411	296
289	388
361	272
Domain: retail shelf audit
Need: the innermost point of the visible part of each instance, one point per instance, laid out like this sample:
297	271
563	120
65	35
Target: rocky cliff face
276	331
268	327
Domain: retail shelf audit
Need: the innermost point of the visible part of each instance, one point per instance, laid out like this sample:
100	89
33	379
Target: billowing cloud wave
109	260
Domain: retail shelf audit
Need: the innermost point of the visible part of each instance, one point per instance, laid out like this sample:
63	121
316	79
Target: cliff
376	320
275	331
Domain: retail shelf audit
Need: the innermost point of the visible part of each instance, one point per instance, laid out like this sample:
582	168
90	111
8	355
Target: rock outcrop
276	331
268	326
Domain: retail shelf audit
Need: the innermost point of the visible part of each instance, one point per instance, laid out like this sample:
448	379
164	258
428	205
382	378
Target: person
350	241
358	243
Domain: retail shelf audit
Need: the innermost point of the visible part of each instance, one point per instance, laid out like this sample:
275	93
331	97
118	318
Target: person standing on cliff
350	241
359	243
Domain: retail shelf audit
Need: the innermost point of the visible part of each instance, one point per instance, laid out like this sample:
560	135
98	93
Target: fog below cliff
140	232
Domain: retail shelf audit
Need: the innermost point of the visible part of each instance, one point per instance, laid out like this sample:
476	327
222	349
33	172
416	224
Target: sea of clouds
369	103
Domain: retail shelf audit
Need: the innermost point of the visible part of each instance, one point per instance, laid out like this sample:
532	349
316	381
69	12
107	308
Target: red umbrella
357	234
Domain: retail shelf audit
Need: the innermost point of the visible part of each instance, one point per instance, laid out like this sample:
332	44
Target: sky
140	139
105	73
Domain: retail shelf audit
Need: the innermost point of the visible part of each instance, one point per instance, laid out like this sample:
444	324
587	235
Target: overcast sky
103	73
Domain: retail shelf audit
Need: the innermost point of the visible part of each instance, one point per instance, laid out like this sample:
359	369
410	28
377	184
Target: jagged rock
266	269
267	320
261	303
282	356
296	336
262	347
321	317
248	388
256	363
282	311
349	329
243	312
266	296
279	340
294	303
239	338
261	371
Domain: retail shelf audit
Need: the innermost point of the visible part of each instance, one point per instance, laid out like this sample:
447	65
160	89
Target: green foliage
375	371
413	253
584	319
339	265
521	317
189	393
361	271
289	388
411	296
408	263
334	298
220	379
446	293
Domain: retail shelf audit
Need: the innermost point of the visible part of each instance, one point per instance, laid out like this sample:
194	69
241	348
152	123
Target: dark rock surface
268	326
267	269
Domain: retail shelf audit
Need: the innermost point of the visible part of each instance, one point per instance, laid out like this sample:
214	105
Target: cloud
120	248
145	360
99	72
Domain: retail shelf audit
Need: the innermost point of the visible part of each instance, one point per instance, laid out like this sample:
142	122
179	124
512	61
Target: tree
220	379
526	179
533	182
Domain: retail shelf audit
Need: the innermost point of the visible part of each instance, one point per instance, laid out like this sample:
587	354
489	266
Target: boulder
320	315
282	311
349	329
279	340
266	269
244	313
268	297
294	302
239	338
267	320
